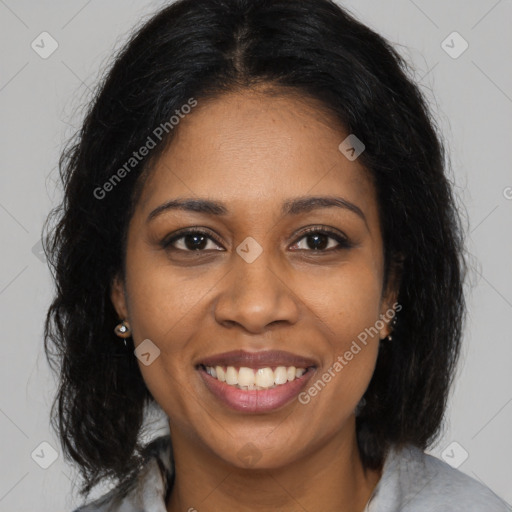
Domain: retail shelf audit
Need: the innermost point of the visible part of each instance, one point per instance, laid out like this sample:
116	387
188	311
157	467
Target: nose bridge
255	294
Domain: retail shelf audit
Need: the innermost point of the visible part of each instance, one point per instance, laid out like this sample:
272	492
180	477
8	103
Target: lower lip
257	400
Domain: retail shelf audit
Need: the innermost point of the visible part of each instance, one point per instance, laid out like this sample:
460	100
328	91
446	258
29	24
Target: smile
256	382
255	379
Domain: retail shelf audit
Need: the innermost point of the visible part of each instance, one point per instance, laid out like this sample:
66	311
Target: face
271	281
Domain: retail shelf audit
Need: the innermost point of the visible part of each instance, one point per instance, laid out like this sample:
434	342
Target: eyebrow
295	206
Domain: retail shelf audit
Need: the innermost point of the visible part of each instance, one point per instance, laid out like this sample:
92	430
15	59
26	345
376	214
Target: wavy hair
201	49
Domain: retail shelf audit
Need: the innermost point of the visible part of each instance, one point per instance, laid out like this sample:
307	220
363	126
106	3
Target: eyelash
320	230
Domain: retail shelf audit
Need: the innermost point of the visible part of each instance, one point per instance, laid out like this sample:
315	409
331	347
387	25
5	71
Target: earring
123	330
389	337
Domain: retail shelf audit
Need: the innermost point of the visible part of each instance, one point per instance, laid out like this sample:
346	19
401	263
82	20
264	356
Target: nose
255	296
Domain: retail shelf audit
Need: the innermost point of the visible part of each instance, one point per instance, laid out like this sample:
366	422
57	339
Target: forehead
256	149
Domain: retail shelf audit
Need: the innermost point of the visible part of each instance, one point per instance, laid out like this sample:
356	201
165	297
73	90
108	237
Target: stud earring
123	330
389	337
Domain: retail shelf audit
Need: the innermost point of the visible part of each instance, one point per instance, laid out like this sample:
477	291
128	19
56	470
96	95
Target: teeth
299	372
246	377
231	375
249	379
221	374
280	375
264	377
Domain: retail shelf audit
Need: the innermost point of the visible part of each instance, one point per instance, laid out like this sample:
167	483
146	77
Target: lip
256	401
255	360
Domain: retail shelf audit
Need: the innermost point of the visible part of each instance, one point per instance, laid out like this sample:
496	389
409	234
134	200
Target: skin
252	151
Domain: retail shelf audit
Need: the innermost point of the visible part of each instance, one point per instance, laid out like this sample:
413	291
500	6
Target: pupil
192	246
317	245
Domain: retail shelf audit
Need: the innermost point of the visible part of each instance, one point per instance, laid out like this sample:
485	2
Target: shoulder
144	492
415	481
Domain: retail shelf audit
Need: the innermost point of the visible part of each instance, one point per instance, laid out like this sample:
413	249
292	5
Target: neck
329	478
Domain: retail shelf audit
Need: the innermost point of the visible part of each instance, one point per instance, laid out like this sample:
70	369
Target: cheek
163	300
346	300
346	307
163	309
165	305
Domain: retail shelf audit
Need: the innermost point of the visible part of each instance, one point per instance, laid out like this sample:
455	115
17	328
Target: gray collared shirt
411	481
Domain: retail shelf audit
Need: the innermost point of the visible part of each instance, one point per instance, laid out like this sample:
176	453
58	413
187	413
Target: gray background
40	102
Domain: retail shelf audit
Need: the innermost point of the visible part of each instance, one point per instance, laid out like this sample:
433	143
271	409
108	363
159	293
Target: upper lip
257	360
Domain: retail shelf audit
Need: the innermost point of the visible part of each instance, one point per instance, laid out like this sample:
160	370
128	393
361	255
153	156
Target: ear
389	304
118	297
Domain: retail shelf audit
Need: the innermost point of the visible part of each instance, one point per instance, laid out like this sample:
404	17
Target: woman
259	238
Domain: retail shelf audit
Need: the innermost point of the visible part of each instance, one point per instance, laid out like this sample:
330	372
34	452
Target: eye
190	240
198	240
317	240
